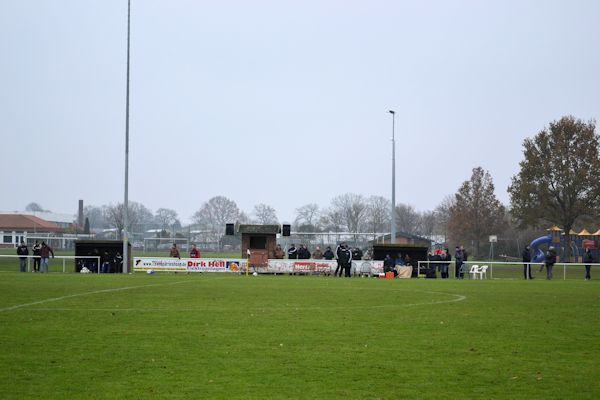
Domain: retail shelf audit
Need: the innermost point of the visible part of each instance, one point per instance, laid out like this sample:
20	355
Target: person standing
526	256
23	250
328	255
292	252
174	251
345	259
45	252
106	260
588	258
357	254
458	261
317	254
278	253
194	252
445	258
550	260
464	260
339	268
36	256
118	262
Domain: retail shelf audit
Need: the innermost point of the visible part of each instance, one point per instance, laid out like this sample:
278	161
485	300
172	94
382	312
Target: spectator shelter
414	246
96	248
259	242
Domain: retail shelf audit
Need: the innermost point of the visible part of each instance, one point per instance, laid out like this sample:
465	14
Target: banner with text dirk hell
141	264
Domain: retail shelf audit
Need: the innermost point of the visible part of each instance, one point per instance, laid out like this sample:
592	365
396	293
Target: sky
282	102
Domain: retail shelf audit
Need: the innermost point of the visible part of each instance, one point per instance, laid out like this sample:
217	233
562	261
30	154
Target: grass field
178	336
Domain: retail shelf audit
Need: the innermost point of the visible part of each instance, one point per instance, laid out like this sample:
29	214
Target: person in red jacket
194	252
45	252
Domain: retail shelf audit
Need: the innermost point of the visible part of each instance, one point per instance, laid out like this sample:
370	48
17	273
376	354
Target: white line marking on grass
87	294
457	297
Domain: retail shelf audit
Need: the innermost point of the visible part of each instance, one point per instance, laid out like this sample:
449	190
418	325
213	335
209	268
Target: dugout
260	240
96	248
416	252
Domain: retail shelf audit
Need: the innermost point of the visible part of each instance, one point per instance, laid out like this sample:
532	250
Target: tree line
556	185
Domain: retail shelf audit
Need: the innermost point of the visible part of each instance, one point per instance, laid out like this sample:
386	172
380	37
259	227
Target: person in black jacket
22	250
345	260
588	258
292	252
357	254
303	253
36	256
526	256
389	265
328	255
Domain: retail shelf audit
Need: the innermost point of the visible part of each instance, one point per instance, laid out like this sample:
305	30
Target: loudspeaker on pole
285	230
229	229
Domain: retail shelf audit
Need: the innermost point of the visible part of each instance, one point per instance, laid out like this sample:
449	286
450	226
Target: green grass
180	336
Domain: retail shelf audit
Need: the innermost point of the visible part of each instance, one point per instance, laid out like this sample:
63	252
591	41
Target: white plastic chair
483	271
474	271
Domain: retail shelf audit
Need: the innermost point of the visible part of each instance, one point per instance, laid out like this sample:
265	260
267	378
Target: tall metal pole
393	230
126	200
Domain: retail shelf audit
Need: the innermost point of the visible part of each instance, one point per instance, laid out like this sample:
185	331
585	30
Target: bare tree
33	207
407	218
215	213
96	216
308	218
166	217
137	214
442	216
350	209
377	216
265	214
427	224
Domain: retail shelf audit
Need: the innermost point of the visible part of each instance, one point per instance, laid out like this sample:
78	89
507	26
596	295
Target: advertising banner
141	264
238	265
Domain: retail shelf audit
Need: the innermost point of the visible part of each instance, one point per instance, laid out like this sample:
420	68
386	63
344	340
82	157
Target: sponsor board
189	264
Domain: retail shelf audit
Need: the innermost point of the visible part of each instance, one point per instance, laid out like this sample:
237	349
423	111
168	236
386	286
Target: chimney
80	215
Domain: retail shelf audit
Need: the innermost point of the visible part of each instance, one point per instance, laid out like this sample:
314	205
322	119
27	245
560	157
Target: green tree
477	213
558	180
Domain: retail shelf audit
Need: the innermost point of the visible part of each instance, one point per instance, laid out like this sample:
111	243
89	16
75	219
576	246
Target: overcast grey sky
282	102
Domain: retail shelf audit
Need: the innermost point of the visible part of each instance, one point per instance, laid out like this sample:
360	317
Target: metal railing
566	267
64	259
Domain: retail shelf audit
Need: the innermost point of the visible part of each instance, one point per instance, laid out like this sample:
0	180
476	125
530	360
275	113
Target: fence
11	262
512	270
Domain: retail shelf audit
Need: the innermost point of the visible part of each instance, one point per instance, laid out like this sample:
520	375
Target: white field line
457	297
50	300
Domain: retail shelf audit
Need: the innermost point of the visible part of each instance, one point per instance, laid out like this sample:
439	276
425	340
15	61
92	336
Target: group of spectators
41	255
343	254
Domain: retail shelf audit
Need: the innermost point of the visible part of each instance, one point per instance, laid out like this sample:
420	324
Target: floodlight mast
126	199
393	228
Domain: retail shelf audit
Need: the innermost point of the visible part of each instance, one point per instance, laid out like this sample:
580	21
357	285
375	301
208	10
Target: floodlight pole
126	199
393	230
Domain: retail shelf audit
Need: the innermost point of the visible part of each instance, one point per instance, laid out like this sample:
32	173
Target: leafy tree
33	207
265	214
477	212
558	180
